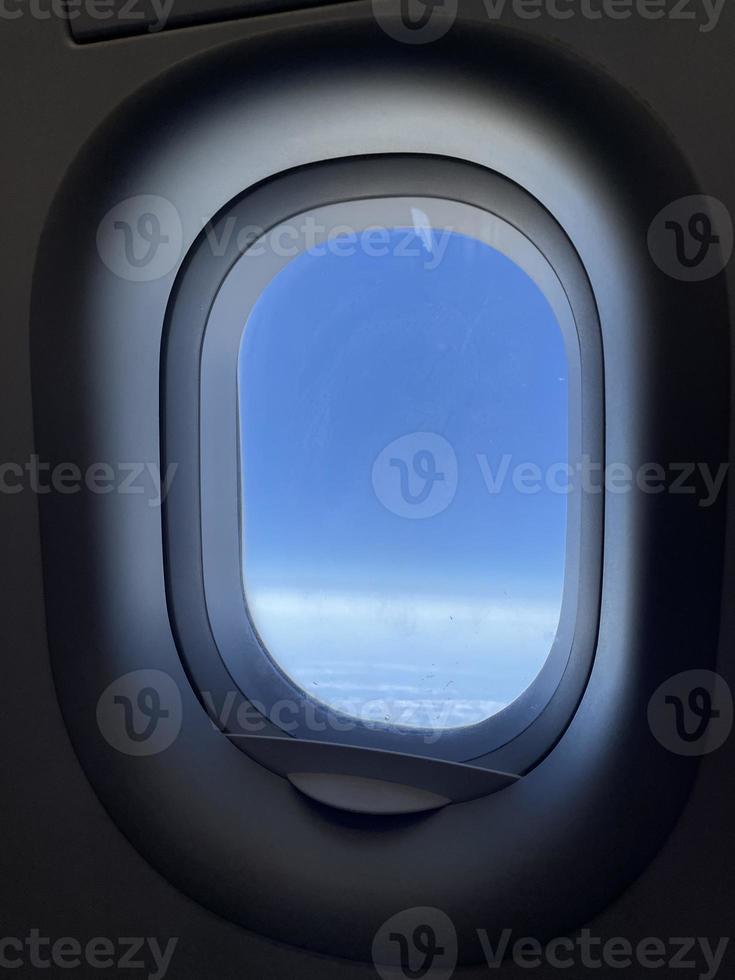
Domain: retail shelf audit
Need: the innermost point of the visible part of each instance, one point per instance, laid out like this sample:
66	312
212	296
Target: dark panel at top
107	19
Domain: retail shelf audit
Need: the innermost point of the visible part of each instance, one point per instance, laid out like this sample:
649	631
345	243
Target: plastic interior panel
559	844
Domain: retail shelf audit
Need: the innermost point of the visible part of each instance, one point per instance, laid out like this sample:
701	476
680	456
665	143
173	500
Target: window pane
403	397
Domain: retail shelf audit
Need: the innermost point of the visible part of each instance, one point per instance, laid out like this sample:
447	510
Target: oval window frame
204	576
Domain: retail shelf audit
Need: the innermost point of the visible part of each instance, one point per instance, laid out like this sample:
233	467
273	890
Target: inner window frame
518	735
231	621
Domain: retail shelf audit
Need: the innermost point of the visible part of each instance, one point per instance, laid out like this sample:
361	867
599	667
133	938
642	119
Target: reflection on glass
400	561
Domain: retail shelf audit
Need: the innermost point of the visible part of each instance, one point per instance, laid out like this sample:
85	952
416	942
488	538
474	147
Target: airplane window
373	386
403	399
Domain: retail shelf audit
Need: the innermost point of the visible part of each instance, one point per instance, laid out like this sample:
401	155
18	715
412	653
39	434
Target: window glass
403	409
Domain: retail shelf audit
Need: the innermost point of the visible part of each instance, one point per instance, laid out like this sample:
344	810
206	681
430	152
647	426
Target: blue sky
440	620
